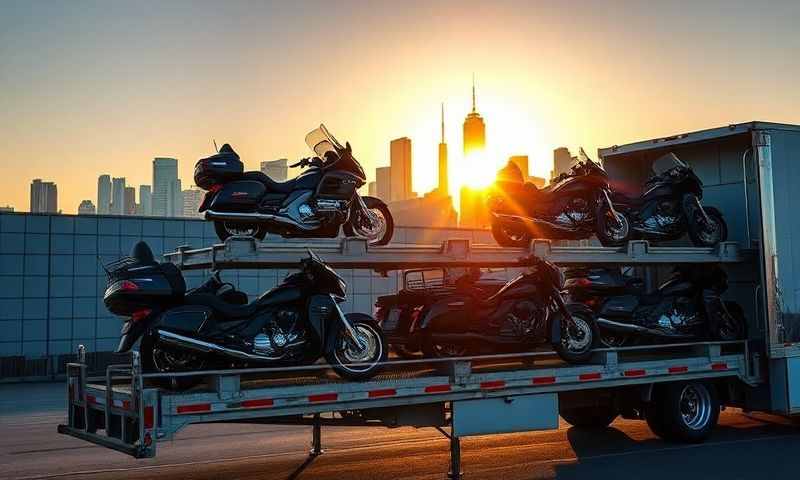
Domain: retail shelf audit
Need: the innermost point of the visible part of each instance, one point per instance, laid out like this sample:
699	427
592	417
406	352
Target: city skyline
548	75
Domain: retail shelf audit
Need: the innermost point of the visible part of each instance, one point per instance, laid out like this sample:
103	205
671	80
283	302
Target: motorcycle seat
272	185
227	311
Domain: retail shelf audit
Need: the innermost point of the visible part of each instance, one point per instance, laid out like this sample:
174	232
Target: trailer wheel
684	412
595	417
158	358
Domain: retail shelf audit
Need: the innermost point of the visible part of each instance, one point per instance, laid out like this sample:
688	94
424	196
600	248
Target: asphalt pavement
742	447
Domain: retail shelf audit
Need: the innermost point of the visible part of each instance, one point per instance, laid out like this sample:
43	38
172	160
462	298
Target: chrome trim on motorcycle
532	222
207	347
348	327
257	217
702	210
610	205
630	328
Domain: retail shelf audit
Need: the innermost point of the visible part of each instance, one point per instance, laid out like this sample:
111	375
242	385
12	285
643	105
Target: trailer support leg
316	437
455	472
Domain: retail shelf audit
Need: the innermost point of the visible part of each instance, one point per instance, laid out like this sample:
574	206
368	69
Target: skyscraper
474	128
44	197
277	170
118	196
130	201
104	194
522	162
383	183
444	184
562	161
474	212
145	200
372	189
86	208
192	199
167	198
400	164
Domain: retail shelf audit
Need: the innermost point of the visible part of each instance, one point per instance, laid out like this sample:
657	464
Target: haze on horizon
103	87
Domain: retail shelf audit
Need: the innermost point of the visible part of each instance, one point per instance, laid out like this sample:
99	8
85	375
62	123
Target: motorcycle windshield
583	165
321	142
666	163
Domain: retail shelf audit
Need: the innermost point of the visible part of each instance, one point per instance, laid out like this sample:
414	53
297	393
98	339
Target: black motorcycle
527	311
688	306
296	322
670	206
315	204
574	206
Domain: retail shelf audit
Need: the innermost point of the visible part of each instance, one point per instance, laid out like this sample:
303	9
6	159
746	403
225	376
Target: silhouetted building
118	196
522	162
400	164
44	197
474	212
474	128
277	170
104	194
444	182
383	183
562	161
432	210
167	198
145	206
130	201
86	208
372	189
192	199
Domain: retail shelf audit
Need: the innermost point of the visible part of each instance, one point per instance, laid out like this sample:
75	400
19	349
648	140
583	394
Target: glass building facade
52	280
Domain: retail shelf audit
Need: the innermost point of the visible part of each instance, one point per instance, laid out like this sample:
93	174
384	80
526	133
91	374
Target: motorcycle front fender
555	320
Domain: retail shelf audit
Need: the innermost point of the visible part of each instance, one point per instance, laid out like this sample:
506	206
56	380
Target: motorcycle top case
144	287
217	169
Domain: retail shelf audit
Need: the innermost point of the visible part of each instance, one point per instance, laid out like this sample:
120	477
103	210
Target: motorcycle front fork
611	206
350	331
702	210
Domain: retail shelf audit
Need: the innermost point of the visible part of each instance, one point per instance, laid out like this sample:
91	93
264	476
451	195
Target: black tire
404	352
609	233
375	204
510	236
147	350
698	233
595	417
361	369
260	231
684	412
576	346
735	327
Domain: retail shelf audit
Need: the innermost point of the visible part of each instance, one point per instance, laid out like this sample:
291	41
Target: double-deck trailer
747	171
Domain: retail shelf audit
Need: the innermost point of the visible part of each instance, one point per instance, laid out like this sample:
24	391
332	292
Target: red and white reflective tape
101	401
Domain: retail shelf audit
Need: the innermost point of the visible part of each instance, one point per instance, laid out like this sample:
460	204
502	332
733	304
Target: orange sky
90	88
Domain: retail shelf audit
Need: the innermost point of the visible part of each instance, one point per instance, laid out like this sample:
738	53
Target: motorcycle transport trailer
472	395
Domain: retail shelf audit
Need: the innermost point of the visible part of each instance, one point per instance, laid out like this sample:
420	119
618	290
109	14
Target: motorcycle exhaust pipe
533	223
255	217
189	343
629	328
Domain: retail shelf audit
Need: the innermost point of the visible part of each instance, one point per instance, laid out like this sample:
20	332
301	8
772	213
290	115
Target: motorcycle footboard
119	417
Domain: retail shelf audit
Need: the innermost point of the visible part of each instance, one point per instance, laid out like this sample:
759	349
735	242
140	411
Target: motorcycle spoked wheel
577	339
226	230
160	358
612	231
507	235
705	234
734	327
354	363
380	234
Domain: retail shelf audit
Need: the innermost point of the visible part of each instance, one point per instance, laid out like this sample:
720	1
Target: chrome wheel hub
695	406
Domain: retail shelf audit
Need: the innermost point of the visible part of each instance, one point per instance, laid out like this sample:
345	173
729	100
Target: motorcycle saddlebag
239	196
218	169
147	287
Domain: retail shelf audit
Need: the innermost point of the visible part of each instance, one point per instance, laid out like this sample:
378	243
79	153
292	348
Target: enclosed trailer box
751	172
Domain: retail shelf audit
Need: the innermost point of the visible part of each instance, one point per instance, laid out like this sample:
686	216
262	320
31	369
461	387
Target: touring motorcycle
296	322
670	206
314	204
526	311
688	306
399	314
574	206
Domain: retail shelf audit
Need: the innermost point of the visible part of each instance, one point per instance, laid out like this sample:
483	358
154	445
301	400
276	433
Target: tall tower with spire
474	128
444	187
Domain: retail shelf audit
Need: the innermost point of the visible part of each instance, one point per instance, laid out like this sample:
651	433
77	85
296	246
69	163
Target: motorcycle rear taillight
140	315
128	286
581	282
215	188
415	314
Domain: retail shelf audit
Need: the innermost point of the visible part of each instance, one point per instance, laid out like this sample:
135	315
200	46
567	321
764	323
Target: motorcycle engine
666	216
677	317
522	320
279	334
577	211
